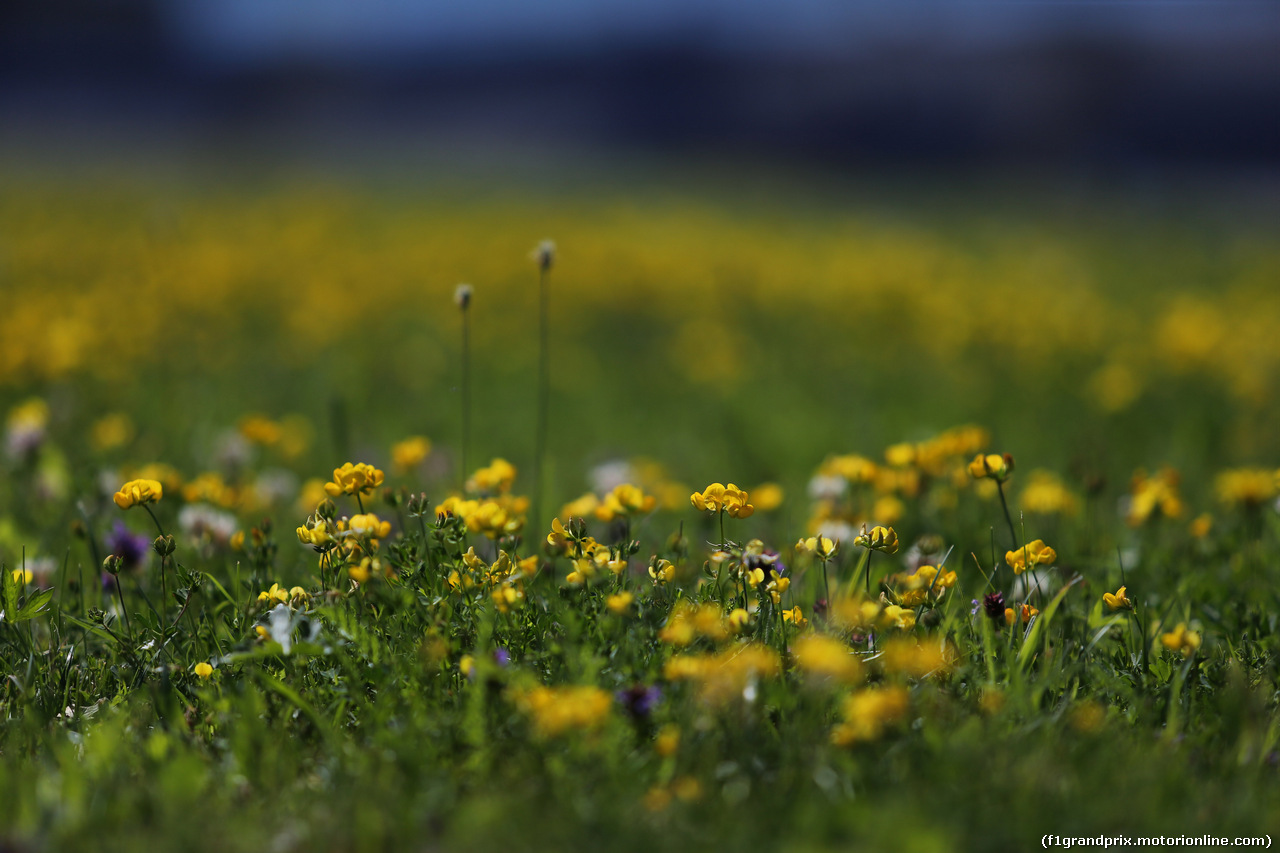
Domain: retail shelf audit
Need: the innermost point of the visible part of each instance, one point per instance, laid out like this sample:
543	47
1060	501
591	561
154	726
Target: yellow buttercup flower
203	670
22	576
352	479
1118	601
720	498
1034	553
409	454
995	466
137	492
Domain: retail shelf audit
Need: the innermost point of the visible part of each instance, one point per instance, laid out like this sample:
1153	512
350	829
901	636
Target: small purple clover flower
639	701
131	548
993	604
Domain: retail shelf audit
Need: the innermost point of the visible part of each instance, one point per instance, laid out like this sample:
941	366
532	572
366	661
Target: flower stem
1004	505
544	388
466	395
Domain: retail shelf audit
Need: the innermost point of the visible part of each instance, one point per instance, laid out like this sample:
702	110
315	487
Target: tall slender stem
544	387
466	392
1013	536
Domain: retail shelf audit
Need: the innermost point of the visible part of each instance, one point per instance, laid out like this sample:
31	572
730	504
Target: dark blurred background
1104	85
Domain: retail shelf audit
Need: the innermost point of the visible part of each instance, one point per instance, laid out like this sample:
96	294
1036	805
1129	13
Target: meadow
911	514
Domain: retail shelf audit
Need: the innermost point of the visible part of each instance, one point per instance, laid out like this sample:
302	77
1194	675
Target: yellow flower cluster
278	595
823	657
1245	487
688	622
822	547
869	712
724	676
410	453
905	656
502	515
926	585
1023	614
1034	553
496	477
1154	495
354	479
138	492
721	498
559	710
878	539
625	500
1181	639
1045	494
996	466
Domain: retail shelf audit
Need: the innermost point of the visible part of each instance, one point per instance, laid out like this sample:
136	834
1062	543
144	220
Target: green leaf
10	593
34	605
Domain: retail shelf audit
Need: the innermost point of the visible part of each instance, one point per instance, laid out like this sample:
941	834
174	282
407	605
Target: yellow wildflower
907	657
822	547
497	477
1149	496
878	539
667	741
1034	553
767	497
1118	601
1022	615
351	479
410	453
1245	487
1181	639
136	492
260	430
826	657
557	710
869	712
624	500
795	616
717	497
111	431
1046	495
1201	525
620	603
995	466
369	525
203	670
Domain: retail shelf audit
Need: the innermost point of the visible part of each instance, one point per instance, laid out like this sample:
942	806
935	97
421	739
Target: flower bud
164	545
112	565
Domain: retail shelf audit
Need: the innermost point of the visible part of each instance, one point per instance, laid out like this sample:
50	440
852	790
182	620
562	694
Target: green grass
367	734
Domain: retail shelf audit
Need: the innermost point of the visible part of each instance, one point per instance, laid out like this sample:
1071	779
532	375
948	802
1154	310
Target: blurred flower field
921	520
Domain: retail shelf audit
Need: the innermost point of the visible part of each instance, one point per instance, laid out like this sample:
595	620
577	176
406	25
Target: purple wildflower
131	548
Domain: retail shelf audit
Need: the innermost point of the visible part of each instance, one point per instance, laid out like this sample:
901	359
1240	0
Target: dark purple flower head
131	548
994	605
639	701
